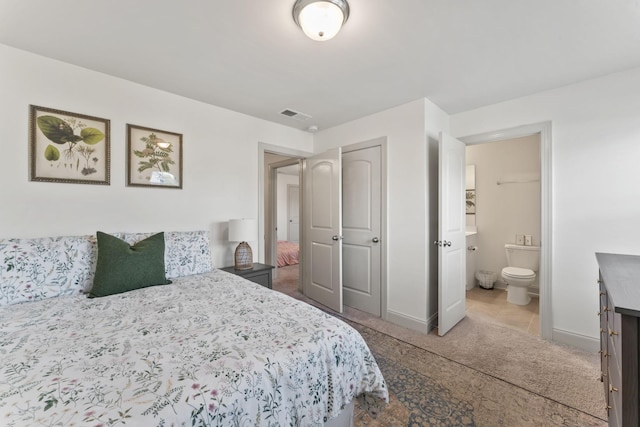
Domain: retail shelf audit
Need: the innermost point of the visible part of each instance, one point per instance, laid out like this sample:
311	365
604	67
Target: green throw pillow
123	268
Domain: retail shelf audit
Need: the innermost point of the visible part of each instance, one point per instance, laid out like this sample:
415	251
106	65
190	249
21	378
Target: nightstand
260	274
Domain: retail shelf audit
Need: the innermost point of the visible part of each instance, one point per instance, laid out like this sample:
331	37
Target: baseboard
575	340
407	321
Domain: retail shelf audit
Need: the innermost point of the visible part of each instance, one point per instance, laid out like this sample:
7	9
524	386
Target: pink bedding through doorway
288	253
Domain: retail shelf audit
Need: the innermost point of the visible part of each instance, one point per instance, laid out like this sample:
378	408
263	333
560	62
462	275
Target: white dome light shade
320	19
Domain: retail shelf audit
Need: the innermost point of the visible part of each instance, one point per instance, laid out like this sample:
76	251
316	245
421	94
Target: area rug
430	390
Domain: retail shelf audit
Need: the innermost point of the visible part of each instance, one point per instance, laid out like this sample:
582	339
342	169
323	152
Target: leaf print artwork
68	147
62	132
156	154
154	157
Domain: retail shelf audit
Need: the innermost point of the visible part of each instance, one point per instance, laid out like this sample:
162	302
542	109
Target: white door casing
322	211
361	227
451	233
293	213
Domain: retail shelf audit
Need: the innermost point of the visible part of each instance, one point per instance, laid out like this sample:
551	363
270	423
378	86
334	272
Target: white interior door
361	227
322	213
293	213
451	233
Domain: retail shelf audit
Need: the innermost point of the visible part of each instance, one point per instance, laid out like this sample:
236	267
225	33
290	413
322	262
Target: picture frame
154	157
471	202
68	147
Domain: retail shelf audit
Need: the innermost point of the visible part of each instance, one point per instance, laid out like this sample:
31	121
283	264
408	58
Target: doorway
282	215
545	185
357	241
502	208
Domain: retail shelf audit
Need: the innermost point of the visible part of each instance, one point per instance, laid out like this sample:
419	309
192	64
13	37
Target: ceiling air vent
296	115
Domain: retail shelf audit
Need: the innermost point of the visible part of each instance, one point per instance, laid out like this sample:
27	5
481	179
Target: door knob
437	242
337	238
446	243
375	240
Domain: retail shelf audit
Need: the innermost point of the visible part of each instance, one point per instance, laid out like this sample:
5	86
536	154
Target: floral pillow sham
36	269
186	252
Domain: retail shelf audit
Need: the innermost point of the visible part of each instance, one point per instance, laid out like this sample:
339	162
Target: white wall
596	198
504	210
411	132
283	203
220	157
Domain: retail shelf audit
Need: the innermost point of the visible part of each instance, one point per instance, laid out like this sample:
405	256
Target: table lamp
242	230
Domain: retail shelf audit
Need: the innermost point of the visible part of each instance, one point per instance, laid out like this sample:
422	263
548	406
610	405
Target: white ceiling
249	56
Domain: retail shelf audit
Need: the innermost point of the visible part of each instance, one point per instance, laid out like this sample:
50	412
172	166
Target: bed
288	253
209	349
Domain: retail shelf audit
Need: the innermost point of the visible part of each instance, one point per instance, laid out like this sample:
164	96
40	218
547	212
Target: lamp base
243	257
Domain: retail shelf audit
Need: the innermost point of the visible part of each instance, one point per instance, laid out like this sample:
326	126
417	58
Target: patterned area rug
430	390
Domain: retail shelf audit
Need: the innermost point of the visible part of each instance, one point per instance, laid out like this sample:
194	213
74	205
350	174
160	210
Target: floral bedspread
207	350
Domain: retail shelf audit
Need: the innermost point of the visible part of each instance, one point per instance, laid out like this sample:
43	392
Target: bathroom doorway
504	203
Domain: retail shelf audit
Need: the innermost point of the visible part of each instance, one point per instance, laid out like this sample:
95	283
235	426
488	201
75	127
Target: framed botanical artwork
471	201
68	147
154	157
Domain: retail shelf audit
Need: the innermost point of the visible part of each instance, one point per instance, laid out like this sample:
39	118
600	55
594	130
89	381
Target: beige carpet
507	377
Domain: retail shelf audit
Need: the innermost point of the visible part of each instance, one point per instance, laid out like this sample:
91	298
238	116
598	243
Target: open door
451	241
322	233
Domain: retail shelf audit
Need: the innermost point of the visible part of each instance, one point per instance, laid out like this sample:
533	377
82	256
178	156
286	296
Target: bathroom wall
506	209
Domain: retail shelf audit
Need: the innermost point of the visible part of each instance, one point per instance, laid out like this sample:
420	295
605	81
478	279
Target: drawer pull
612	333
607	407
612	388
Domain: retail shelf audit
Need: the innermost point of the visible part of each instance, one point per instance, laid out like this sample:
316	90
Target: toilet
523	262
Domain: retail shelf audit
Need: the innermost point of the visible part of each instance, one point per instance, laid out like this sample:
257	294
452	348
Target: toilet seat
518	273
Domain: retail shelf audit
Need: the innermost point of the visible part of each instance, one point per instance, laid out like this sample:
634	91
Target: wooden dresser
619	341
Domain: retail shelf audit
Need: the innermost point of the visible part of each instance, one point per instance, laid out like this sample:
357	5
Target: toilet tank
523	256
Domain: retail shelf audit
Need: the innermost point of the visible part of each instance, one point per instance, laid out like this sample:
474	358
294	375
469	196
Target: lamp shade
320	19
242	230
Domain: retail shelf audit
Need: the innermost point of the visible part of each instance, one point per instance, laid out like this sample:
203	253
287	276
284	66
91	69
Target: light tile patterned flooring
493	303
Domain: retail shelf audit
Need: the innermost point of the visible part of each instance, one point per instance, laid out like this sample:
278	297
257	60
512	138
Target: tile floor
493	304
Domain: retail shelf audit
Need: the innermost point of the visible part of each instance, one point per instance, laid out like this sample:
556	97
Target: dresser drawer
614	339
603	310
614	395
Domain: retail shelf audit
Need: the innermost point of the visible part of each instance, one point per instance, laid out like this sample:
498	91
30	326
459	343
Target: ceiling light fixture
320	19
